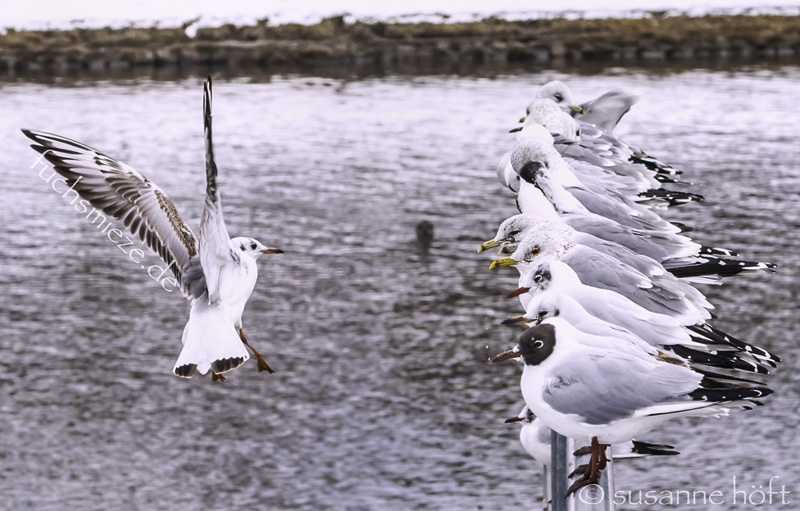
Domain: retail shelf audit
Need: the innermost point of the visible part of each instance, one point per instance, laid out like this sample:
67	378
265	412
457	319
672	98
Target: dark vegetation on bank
335	42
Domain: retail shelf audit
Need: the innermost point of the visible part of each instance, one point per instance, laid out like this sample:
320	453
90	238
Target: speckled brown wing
122	192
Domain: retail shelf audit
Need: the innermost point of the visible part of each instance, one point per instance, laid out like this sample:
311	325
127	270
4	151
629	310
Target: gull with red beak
553	289
647	284
535	439
586	386
215	272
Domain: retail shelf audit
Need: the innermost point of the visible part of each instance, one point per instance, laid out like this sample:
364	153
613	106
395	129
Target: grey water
384	398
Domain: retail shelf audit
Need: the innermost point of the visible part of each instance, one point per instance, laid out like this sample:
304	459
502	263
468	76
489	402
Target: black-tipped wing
214	239
122	192
602	388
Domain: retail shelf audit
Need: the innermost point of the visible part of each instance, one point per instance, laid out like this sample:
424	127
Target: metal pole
590	498
546	504
558	477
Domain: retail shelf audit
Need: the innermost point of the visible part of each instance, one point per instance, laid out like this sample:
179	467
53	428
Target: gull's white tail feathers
209	342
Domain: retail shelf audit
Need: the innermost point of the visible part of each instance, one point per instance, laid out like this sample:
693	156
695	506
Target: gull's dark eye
537	278
559	97
253	245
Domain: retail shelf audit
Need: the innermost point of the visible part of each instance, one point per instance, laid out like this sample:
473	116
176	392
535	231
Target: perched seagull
595	164
559	93
652	288
535	439
555	288
667	250
215	272
535	159
590	388
698	269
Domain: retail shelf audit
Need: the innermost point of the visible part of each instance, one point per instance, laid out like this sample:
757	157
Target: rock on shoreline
335	42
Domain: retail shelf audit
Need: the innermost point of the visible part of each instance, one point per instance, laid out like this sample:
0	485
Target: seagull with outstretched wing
216	272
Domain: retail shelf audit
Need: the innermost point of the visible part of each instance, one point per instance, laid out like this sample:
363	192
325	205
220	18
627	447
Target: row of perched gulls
621	340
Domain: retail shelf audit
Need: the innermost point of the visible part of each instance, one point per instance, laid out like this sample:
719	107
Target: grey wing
605	387
580	151
604	144
646	265
599	270
657	247
122	192
663	296
606	111
599	153
215	250
620	210
604	180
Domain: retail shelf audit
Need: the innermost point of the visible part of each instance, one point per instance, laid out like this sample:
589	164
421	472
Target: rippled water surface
383	397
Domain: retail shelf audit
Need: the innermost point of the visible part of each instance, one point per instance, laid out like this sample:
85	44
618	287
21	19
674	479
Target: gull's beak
507	249
513	419
518	291
506	355
577	109
272	251
518	128
517	320
486	245
522	119
503	261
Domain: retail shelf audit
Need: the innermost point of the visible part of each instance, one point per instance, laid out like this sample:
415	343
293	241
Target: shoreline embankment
335	42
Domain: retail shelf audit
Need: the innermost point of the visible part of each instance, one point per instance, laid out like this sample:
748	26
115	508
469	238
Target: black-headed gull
216	272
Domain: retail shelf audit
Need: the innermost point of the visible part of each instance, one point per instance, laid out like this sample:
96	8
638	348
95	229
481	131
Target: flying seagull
215	272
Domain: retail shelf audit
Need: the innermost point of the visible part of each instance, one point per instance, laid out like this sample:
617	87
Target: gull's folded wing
123	193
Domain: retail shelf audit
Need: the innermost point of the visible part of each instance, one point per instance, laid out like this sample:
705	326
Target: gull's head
537	343
511	231
546	305
252	247
526	416
529	250
557	122
547	240
559	93
538	278
533	151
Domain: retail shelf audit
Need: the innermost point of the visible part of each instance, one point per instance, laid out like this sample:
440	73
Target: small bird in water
425	233
215	272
